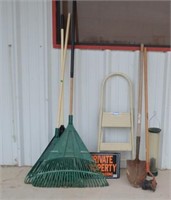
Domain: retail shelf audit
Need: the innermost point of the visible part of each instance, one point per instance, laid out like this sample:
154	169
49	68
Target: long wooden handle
146	108
140	92
66	36
140	86
61	80
63	71
60	114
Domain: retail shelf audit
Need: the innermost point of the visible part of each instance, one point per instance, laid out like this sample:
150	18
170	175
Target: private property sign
108	163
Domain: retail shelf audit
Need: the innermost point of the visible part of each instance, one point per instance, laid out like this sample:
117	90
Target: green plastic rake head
69	172
44	155
69	164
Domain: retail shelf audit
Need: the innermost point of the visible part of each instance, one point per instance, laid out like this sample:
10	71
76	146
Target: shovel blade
136	172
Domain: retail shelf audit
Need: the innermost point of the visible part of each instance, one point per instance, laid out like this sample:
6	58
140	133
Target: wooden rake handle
60	114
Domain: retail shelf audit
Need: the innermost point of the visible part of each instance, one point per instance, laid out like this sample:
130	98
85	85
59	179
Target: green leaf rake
60	127
69	163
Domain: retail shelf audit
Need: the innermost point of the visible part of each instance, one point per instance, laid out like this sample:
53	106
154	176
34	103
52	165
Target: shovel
136	169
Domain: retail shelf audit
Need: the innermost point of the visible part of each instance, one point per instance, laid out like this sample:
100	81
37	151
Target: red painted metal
98	47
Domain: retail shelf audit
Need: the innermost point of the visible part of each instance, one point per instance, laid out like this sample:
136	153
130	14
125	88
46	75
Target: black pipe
72	38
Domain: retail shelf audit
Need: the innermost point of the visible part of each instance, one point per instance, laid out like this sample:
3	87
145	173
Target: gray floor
13	187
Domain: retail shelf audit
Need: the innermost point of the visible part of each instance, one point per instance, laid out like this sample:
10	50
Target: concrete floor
12	187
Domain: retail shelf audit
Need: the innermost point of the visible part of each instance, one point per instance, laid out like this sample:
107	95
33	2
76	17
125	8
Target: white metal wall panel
8	90
29	76
33	78
165	146
24	67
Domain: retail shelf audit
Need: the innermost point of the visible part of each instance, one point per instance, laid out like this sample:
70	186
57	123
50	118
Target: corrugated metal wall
29	75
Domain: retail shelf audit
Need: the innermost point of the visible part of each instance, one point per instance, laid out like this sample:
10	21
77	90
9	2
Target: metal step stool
116	120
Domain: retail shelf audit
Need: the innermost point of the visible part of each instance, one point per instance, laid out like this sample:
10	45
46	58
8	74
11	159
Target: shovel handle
140	91
137	147
138	138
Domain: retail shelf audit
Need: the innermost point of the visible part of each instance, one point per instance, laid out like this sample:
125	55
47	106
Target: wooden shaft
63	71
140	92
137	147
66	36
146	107
60	114
71	96
140	77
61	81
